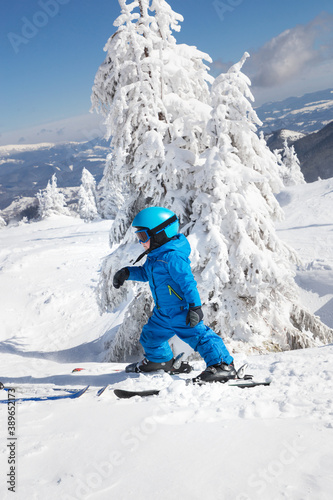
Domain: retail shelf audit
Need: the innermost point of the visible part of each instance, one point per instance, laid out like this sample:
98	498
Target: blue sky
50	51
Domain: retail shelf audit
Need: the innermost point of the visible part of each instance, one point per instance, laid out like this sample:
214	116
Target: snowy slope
189	442
308	228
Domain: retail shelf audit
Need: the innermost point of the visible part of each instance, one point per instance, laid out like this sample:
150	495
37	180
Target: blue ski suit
168	270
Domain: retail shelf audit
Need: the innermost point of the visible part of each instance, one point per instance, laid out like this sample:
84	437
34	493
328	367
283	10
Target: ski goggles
143	235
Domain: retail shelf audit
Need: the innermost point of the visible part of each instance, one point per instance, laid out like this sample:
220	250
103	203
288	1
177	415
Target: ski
71	395
27	388
123	394
101	390
241	383
77	370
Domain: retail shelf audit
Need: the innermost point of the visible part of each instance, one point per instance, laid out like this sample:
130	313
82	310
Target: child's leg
154	338
202	339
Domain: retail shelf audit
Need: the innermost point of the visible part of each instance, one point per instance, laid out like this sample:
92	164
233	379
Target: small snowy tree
51	201
293	174
87	196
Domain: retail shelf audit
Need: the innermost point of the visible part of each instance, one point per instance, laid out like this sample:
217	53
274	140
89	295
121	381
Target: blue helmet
160	223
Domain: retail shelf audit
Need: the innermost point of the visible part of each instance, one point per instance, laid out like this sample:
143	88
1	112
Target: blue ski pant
167	322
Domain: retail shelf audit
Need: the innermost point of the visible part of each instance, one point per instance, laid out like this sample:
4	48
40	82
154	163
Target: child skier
177	308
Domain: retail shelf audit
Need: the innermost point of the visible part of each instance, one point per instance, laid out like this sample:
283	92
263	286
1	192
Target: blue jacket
168	271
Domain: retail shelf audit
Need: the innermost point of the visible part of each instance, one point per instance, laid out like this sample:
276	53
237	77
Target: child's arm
137	273
129	273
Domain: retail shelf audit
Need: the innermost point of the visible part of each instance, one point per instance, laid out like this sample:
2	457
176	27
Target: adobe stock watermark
31	27
223	7
102	475
259	483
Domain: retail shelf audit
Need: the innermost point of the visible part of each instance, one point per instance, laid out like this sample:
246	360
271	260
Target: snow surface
308	228
189	442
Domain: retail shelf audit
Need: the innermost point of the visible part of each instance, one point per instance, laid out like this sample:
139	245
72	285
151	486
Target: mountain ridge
307	123
307	113
25	169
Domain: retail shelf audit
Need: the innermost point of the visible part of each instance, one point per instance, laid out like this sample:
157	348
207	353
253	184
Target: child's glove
120	277
194	315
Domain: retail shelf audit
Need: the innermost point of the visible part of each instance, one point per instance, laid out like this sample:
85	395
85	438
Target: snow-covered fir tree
244	271
87	196
293	174
174	144
51	201
155	97
152	93
241	122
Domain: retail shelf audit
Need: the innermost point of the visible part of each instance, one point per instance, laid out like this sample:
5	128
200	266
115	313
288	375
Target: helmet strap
141	256
152	232
163	225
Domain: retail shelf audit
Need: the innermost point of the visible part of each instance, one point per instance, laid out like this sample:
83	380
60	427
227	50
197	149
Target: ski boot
220	372
173	366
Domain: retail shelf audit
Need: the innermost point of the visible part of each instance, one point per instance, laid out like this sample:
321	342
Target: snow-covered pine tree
241	125
155	97
244	271
152	93
293	174
51	201
87	196
127	91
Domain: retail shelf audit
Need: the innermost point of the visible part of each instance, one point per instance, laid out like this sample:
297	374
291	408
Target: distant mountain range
306	122
305	114
25	169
